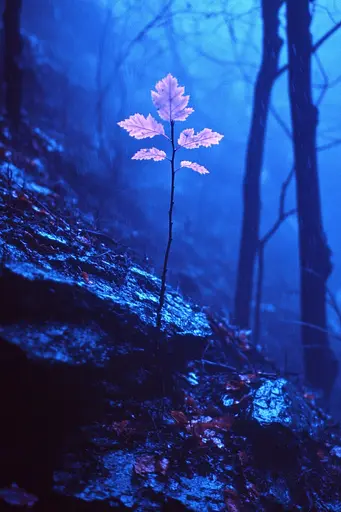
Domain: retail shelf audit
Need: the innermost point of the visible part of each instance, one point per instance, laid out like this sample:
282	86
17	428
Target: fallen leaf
232	501
321	454
243	458
179	417
85	276
40	210
145	464
23	197
223	423
243	341
189	400
309	396
234	385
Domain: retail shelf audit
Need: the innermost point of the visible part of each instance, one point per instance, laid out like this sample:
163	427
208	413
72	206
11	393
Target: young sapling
172	106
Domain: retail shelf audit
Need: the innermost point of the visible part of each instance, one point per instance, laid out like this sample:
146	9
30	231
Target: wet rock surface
100	412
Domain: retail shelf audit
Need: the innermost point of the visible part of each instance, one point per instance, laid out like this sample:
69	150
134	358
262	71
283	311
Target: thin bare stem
170	233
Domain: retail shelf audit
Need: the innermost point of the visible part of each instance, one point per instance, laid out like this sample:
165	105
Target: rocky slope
100	411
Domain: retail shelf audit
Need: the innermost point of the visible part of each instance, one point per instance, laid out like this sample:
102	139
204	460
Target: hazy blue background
124	47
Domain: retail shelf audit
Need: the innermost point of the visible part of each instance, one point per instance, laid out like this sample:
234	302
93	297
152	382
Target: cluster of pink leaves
172	105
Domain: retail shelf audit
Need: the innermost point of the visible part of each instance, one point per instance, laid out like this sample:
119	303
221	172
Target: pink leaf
194	166
150	154
170	101
190	140
142	127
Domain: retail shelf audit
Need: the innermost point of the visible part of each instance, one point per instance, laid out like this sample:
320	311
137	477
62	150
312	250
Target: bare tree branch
315	327
99	71
329	145
332	298
315	47
223	62
280	121
282	216
325	86
139	36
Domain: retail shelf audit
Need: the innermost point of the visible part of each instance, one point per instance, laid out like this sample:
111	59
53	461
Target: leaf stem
170	232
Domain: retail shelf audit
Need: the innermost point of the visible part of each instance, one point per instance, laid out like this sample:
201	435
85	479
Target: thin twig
218	365
316	328
315	47
282	216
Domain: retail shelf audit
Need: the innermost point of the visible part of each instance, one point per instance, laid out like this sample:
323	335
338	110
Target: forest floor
101	411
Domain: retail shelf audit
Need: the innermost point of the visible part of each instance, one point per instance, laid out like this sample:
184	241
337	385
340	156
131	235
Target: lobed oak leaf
149	154
194	166
142	127
170	101
190	140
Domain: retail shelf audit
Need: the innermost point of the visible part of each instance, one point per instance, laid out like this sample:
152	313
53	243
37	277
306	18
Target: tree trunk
314	254
254	161
12	68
